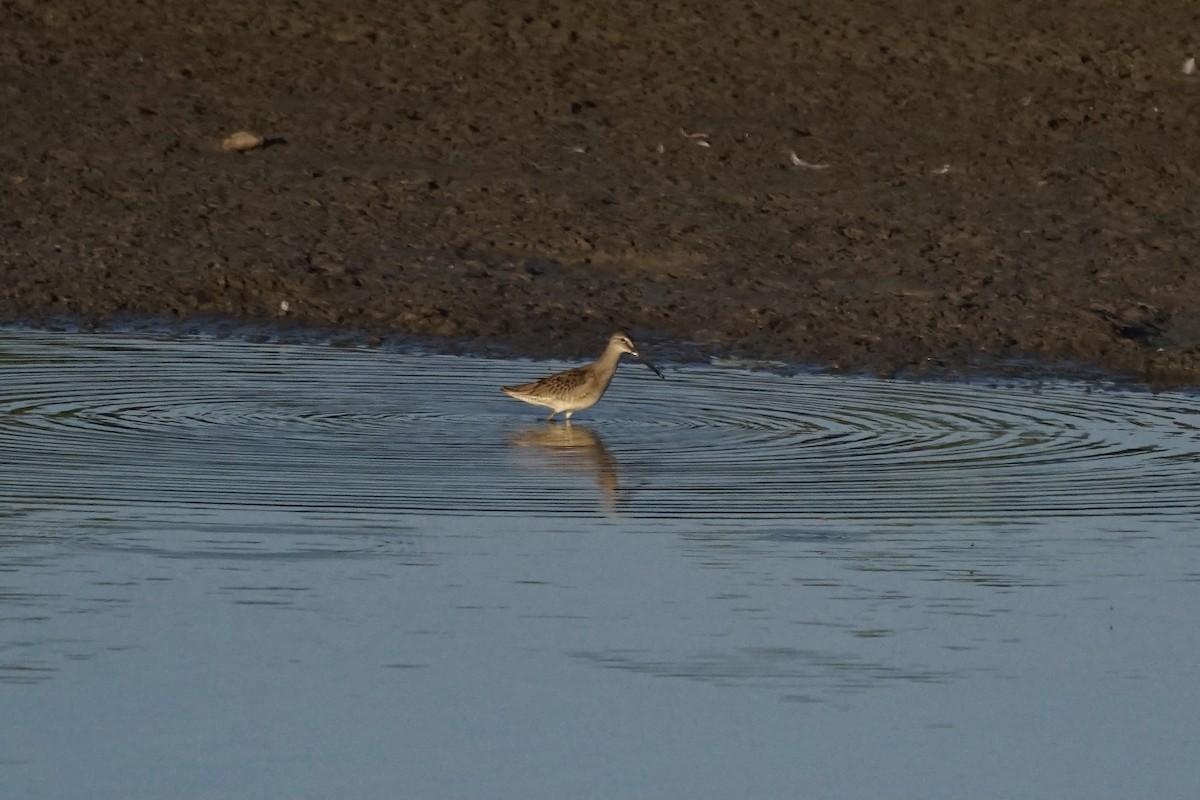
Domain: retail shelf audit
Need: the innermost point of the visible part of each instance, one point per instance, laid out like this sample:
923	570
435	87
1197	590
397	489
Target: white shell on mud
240	141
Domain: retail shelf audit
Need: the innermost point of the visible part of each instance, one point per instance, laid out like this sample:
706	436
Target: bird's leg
551	417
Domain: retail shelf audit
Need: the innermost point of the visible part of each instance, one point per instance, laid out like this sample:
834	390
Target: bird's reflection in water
575	448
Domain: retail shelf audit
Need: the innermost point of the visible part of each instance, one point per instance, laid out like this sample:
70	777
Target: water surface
261	570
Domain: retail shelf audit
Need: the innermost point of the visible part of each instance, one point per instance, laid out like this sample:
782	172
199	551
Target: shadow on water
196	533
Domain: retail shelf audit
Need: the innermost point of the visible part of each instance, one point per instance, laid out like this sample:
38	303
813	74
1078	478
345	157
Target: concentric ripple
103	427
758	443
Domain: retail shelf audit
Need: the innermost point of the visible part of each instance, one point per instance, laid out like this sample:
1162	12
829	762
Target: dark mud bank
866	186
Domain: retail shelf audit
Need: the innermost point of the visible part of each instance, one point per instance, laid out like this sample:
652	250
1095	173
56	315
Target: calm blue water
235	570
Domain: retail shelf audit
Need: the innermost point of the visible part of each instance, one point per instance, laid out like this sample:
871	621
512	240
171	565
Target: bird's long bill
651	366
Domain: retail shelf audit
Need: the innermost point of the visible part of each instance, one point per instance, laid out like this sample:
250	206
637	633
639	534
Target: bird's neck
607	363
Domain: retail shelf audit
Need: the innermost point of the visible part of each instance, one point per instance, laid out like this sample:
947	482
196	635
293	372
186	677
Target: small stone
1189	66
241	141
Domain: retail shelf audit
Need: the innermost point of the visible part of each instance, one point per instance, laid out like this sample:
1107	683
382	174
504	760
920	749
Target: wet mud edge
852	186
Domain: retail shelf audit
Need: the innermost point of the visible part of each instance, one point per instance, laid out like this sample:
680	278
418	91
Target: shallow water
238	570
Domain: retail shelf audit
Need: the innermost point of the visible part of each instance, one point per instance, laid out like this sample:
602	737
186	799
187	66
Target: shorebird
581	387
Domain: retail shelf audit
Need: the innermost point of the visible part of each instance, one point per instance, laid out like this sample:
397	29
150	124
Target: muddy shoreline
895	187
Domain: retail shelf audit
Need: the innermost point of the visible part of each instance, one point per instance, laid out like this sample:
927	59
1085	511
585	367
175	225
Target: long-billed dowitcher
581	387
